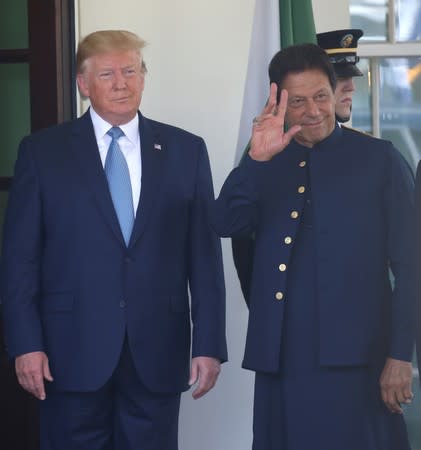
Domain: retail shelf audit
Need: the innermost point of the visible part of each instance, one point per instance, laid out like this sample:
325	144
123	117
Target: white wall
329	15
197	61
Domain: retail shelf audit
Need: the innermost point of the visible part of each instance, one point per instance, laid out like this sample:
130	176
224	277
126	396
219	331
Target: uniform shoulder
356	130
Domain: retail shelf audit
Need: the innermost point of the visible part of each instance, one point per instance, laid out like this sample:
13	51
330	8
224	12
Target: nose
312	108
119	81
349	85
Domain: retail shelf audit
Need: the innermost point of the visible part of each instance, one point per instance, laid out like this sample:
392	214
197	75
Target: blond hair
106	41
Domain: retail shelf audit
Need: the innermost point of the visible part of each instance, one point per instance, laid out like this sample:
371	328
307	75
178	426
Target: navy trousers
122	415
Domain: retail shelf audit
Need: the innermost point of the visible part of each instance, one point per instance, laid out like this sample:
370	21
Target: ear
83	85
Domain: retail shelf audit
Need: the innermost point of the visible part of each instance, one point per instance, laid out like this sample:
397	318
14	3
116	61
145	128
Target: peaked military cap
341	46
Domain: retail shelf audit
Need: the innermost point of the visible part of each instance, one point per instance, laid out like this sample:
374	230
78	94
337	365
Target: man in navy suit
96	303
331	210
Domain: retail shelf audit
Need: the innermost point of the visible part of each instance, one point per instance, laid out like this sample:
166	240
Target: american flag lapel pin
157	147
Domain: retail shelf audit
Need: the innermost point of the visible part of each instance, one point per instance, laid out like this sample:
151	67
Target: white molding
375	96
366	50
391	22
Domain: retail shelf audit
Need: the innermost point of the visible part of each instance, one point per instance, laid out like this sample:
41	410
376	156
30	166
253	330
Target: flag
276	23
296	22
264	44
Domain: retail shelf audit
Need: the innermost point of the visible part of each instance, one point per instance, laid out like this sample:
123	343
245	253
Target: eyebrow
322	91
303	97
112	68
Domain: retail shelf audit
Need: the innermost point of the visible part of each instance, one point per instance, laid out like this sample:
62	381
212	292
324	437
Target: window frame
50	55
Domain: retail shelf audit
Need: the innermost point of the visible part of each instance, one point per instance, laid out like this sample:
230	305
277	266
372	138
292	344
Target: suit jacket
362	194
71	287
418	261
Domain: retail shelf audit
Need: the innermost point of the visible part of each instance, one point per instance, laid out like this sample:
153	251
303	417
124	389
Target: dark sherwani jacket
363	203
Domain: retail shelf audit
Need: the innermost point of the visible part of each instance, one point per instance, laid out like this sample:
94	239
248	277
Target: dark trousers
122	415
18	409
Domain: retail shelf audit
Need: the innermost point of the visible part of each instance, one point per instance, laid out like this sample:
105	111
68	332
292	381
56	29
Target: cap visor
347	70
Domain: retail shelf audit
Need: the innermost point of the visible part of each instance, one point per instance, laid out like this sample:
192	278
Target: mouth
312	124
347	101
121	100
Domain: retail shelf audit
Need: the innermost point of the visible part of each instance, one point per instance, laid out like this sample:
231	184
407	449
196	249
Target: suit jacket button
302	164
294	214
288	240
279	296
301	190
282	267
122	304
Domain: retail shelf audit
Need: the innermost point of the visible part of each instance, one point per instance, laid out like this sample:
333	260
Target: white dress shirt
129	145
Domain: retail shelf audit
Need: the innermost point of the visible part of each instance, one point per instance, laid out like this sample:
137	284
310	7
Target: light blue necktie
118	177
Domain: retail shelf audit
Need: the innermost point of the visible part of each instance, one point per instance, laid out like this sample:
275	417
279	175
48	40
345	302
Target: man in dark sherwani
331	211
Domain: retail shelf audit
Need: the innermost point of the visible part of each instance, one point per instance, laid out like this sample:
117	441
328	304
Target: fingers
390	400
394	399
46	371
208	370
395	384
268	135
194	373
283	103
272	109
403	394
207	381
33	382
291	133
270	106
30	370
408	394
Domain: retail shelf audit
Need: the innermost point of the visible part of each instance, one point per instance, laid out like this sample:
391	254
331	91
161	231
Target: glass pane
14	24
361	102
400	105
413	413
15	112
408	20
370	16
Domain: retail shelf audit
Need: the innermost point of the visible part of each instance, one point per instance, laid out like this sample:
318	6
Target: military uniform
341	46
328	222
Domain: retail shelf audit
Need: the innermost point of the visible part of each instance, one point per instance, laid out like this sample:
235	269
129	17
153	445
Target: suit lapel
154	156
85	149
